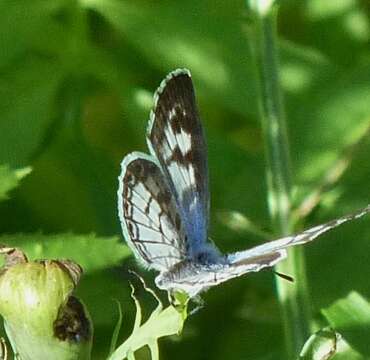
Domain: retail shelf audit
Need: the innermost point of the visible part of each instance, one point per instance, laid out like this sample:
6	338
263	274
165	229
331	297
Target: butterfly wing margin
298	239
175	137
149	218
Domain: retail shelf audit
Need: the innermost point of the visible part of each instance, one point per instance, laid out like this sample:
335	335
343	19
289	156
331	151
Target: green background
76	85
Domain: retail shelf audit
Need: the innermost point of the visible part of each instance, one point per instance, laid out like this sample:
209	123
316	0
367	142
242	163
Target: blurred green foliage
76	80
351	317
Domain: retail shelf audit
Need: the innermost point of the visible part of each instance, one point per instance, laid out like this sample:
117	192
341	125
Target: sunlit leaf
327	344
161	323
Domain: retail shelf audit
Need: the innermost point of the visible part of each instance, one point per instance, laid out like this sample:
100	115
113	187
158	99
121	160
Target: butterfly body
163	201
191	277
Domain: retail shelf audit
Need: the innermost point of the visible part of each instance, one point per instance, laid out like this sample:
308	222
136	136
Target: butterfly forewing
164	201
148	214
175	137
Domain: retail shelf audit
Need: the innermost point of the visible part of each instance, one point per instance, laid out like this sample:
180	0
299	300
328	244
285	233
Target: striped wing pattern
163	201
148	214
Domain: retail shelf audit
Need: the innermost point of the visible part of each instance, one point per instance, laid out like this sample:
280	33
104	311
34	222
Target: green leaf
117	328
26	108
89	251
22	26
9	179
321	344
162	322
225	76
336	116
350	316
326	344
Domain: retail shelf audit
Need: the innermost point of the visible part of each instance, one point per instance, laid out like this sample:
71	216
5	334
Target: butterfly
163	201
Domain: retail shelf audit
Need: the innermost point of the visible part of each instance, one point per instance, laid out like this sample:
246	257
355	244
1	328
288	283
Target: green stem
293	298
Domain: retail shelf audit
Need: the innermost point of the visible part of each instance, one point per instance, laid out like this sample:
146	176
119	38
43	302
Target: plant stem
293	298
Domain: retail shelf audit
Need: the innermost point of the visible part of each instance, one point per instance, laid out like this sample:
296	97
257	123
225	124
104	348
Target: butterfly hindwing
148	213
297	239
195	278
163	201
175	138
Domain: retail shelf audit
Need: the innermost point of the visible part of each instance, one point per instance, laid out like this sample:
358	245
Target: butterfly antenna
284	276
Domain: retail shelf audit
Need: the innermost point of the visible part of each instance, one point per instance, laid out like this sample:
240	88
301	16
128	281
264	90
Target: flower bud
41	317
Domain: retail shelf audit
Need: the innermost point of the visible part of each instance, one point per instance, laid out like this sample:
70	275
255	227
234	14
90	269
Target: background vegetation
76	85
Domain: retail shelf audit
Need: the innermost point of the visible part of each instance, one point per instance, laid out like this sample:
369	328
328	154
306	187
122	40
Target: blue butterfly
163	201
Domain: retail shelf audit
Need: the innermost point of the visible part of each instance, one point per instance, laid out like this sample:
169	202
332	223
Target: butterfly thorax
193	275
204	253
163	201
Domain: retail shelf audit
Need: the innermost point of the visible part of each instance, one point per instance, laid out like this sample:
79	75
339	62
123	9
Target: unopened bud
42	319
